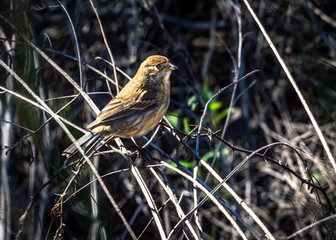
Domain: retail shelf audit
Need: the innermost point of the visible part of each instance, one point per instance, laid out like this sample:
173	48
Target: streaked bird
136	109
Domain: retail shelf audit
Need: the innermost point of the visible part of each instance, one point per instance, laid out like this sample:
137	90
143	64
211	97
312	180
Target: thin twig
311	226
78	53
239	201
295	86
208	194
57	119
106	44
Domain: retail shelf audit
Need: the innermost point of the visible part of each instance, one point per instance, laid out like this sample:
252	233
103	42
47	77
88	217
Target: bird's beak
170	67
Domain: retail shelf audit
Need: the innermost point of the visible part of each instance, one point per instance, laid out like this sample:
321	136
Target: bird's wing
144	105
122	110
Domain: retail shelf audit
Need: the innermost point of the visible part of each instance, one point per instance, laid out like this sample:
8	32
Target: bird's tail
88	141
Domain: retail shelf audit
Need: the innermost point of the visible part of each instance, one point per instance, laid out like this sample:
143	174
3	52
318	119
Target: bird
135	110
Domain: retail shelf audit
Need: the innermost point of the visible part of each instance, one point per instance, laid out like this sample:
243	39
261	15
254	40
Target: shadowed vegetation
237	157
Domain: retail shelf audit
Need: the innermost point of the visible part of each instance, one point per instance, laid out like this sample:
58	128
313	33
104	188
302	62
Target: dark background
203	39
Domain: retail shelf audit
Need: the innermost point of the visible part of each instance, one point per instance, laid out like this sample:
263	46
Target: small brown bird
137	108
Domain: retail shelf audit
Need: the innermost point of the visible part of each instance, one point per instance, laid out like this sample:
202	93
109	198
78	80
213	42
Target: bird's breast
162	87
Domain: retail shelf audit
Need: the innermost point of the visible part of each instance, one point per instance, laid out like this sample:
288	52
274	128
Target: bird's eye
158	66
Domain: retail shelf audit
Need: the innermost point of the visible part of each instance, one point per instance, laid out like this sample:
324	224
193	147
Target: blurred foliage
265	112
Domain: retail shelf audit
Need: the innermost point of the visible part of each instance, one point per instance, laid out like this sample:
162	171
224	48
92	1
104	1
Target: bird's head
155	65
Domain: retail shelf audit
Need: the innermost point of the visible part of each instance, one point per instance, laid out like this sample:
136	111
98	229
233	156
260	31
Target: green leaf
211	154
183	163
187	164
186	125
319	176
192	103
206	92
172	118
213	106
222	115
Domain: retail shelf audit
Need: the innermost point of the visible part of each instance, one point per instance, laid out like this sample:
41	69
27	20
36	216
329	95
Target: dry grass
246	150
